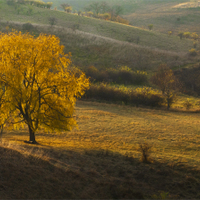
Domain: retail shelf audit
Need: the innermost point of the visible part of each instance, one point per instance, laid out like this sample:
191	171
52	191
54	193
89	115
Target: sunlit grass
175	136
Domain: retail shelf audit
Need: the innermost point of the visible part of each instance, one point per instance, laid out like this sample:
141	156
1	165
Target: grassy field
101	159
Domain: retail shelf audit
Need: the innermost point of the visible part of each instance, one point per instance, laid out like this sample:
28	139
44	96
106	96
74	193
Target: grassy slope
164	17
88	50
101	159
99	27
158	12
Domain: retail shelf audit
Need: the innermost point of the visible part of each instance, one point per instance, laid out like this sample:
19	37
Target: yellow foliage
39	84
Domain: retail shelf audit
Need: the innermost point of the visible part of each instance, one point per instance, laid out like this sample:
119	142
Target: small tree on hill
150	26
164	78
169	33
95	7
180	34
68	9
49	5
79	12
186	34
52	21
40	87
194	36
64	5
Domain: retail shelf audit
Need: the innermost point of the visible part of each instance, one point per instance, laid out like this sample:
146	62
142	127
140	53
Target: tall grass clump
139	96
145	149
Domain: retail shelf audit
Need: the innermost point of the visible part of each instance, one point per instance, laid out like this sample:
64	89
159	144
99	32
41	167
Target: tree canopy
38	83
165	79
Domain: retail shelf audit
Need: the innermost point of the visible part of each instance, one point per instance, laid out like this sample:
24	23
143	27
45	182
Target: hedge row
121	76
140	96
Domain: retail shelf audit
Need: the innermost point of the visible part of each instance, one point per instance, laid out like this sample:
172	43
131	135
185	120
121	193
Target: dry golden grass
174	134
101	159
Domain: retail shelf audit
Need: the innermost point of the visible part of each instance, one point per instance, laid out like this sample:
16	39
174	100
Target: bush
169	32
194	36
193	52
195	44
187	104
122	76
52	20
145	149
150	26
186	34
180	34
28	27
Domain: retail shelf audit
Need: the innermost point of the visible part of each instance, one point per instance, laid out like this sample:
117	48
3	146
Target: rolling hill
102	43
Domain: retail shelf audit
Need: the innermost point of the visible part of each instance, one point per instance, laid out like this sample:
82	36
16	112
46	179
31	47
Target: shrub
92	72
122	76
193	52
195	44
75	27
79	12
27	27
121	20
141	96
180	34
187	104
150	26
145	149
49	4
186	34
52	20
89	13
194	36
169	32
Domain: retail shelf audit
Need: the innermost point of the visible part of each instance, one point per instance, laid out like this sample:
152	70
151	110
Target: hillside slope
102	43
167	16
89	49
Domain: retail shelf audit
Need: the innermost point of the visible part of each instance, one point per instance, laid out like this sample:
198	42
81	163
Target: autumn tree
49	5
150	26
66	7
41	88
52	20
5	110
180	34
164	79
95	7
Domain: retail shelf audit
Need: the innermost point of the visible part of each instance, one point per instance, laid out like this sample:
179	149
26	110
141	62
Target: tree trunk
1	132
32	136
168	104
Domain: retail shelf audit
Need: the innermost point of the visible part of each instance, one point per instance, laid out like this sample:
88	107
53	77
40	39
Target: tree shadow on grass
92	174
